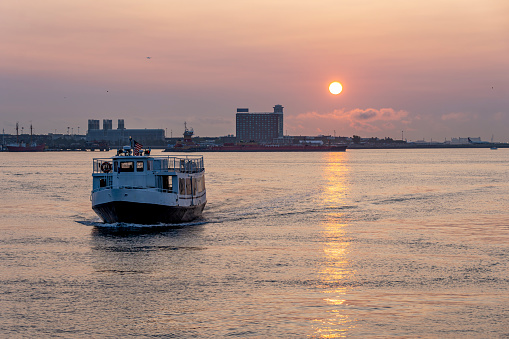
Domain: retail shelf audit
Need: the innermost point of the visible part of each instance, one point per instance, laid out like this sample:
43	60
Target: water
366	244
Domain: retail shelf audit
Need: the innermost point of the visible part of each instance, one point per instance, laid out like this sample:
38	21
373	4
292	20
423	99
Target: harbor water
356	244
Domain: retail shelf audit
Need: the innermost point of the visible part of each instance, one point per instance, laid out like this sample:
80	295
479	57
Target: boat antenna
17	132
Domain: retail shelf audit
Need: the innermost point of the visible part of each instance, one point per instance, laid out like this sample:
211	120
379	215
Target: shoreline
417	146
351	146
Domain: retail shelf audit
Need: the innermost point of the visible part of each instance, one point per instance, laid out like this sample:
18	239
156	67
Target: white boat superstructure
147	189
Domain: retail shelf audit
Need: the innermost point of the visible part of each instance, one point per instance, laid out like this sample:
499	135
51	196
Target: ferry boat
136	187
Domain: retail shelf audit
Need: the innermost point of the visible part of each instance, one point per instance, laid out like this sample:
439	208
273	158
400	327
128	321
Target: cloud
499	116
458	116
358	120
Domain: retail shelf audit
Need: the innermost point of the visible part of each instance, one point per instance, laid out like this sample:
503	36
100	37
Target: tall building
93	124
121	124
260	127
107	124
278	109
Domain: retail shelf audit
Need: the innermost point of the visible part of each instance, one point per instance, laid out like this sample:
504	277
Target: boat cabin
169	174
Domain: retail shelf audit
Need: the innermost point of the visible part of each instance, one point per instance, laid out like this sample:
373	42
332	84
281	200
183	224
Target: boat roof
139	157
132	156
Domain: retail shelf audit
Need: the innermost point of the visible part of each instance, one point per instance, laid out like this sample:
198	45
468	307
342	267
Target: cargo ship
188	145
277	148
23	147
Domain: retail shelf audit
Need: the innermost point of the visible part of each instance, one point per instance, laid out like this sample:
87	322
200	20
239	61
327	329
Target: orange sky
435	69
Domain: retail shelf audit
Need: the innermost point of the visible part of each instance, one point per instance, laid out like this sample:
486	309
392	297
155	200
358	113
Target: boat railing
187	164
105	182
122	187
162	190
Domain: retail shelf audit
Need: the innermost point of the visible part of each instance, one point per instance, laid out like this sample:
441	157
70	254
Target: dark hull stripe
148	214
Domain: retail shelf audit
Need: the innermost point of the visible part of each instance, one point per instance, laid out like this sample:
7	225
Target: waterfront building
465	141
120	136
262	127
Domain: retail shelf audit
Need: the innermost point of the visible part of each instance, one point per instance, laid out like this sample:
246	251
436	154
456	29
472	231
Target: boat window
115	166
200	184
149	165
139	166
170	183
182	186
157	164
194	186
188	186
167	182
127	166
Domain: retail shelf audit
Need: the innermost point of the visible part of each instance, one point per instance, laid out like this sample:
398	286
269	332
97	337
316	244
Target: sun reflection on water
335	265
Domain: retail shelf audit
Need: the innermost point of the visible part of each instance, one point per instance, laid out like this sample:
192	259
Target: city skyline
176	134
434	70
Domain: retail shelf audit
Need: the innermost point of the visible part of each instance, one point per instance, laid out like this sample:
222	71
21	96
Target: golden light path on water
335	264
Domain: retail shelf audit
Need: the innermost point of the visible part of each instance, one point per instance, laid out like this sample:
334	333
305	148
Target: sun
335	88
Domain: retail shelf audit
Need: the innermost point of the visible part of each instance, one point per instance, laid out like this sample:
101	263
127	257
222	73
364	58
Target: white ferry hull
145	206
150	214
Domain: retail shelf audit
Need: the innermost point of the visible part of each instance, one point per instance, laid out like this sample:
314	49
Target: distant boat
190	146
493	147
23	147
26	148
277	148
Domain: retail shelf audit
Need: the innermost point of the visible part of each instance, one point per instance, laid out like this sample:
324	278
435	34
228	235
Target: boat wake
126	226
